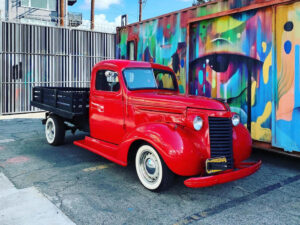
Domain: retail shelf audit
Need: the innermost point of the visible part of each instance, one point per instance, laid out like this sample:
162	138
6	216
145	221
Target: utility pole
62	12
92	14
141	7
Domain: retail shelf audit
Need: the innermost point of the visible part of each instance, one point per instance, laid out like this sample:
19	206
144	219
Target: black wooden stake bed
71	104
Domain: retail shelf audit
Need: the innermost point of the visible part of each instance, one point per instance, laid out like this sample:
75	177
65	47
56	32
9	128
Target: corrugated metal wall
34	55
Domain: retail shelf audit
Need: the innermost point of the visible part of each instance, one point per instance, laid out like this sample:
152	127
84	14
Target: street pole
92	14
62	12
141	5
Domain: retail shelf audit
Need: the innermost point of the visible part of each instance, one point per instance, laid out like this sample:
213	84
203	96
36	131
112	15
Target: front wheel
55	130
152	171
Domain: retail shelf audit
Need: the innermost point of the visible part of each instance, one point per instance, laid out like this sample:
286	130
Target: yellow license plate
215	165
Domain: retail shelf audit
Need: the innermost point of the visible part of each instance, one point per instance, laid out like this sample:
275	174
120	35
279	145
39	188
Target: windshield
147	78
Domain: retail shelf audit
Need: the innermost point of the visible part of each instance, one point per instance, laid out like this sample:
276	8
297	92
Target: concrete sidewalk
27	206
34	115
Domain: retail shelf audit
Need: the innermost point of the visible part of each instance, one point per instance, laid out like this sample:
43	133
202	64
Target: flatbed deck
68	103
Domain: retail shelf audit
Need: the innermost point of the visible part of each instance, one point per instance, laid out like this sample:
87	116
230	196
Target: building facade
2	9
42	12
246	52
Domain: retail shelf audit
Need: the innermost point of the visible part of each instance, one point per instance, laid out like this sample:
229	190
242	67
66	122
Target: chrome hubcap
149	167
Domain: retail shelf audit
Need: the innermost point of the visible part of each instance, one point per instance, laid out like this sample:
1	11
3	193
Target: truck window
164	80
140	79
147	78
107	80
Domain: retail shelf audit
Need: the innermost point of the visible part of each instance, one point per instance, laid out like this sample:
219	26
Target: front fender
242	143
179	148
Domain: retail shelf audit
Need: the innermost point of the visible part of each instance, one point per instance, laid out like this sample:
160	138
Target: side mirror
111	77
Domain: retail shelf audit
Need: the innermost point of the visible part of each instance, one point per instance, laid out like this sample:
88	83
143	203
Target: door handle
100	108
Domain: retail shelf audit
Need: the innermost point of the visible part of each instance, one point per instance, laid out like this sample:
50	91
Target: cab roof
122	64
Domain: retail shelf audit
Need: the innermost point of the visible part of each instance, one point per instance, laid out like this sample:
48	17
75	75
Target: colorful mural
286	125
232	60
161	41
250	58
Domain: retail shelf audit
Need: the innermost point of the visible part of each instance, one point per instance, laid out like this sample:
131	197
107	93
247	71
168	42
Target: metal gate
35	55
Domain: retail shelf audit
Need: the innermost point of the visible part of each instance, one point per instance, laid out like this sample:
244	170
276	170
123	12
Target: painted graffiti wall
286	113
232	60
250	58
161	41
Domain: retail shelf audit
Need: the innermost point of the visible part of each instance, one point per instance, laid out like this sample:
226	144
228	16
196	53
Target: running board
104	149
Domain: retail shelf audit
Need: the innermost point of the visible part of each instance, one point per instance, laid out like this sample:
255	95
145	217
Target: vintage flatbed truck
133	111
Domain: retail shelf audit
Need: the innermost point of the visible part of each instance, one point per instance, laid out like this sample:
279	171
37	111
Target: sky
108	12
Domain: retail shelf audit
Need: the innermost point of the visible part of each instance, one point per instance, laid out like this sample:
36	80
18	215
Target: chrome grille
220	132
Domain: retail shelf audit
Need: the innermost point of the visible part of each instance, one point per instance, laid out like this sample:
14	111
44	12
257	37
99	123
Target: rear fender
177	145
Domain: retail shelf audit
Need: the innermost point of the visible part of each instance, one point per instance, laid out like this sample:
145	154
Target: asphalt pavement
89	189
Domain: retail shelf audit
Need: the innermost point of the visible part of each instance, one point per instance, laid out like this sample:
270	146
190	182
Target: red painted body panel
177	146
102	148
106	111
162	118
242	144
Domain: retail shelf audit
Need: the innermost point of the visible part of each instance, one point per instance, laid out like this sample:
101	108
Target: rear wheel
55	130
152	171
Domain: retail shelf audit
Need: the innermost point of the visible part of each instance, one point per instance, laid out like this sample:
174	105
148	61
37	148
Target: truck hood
171	100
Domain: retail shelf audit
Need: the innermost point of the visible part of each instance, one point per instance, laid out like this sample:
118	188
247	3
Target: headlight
236	120
198	123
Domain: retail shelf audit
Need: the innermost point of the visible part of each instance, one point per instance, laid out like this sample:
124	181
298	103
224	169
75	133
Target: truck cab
136	114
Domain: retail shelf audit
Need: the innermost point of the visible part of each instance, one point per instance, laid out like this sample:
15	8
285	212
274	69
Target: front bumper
244	169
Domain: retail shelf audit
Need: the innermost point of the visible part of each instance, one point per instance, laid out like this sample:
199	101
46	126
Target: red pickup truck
133	111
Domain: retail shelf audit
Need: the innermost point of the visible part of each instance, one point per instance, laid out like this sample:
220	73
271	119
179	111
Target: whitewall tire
151	170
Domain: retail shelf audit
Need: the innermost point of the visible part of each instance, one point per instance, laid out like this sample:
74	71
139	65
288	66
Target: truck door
106	107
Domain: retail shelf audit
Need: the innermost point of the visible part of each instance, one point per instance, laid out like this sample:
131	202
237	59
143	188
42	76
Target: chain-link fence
35	55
